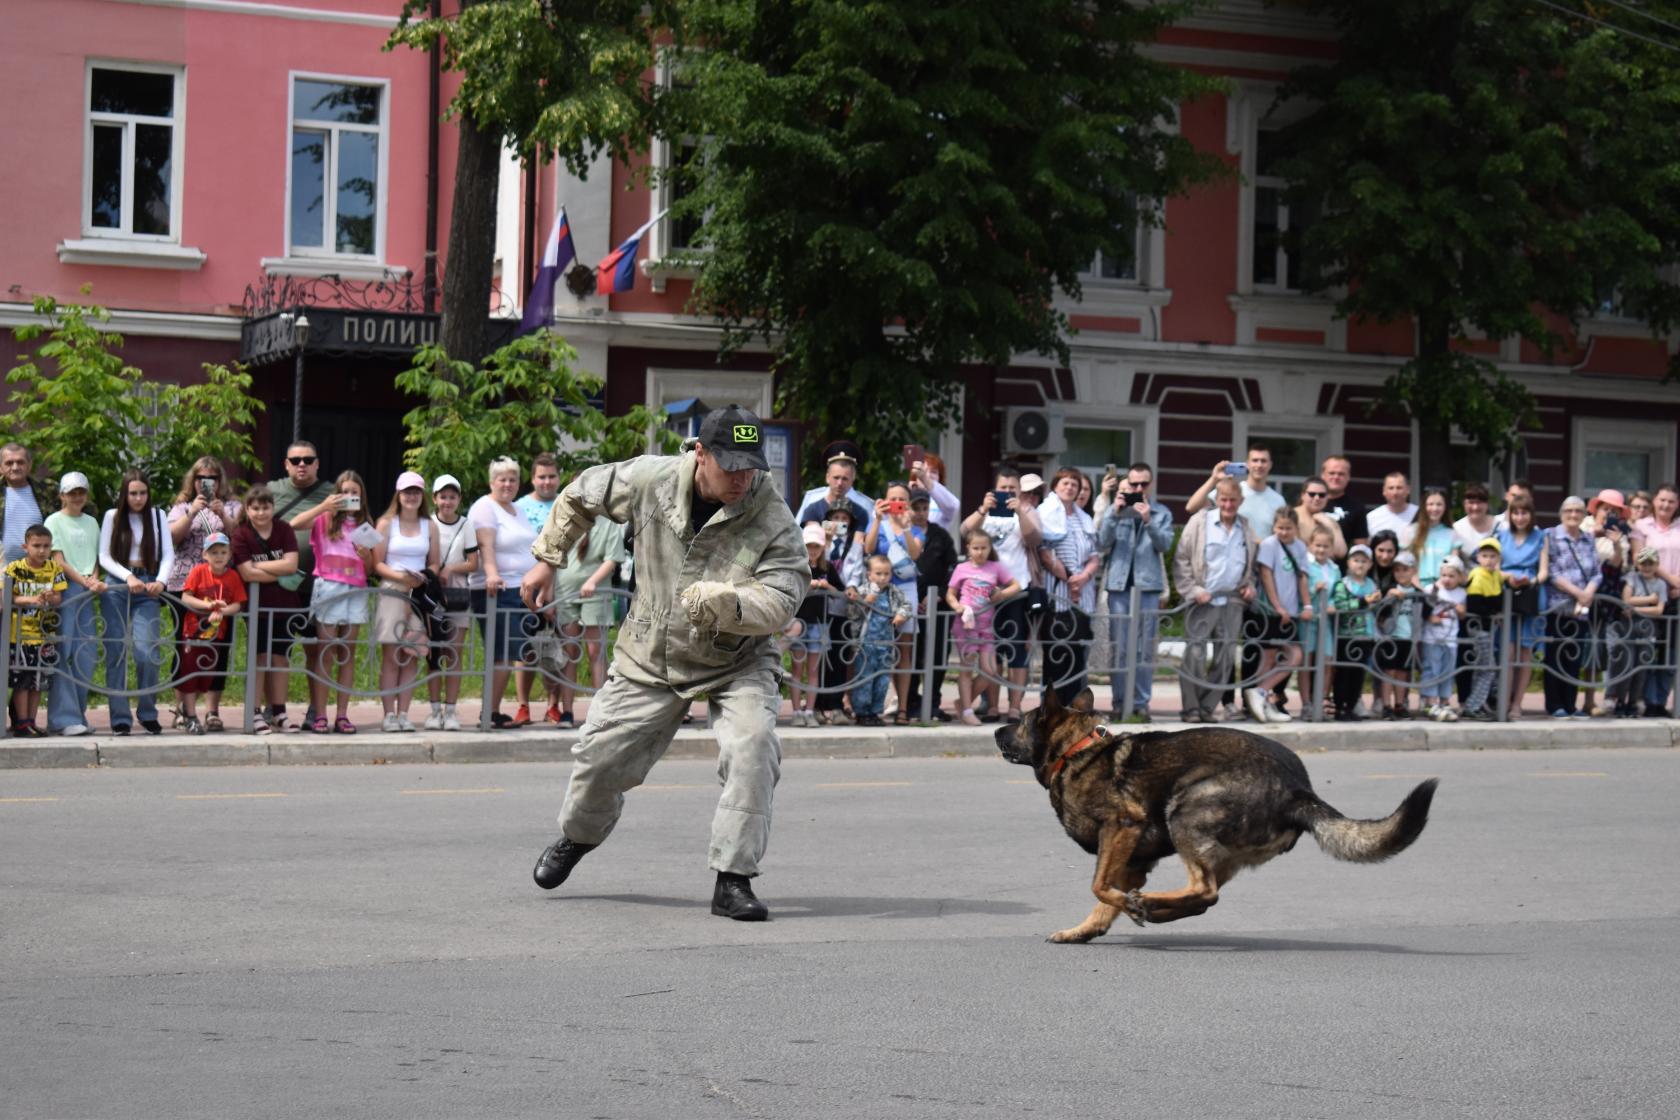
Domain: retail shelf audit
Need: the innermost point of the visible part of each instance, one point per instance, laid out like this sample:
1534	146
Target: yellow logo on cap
746	433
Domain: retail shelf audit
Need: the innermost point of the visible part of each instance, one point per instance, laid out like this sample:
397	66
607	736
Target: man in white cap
720	570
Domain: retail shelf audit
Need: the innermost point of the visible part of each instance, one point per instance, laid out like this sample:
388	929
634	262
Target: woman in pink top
340	599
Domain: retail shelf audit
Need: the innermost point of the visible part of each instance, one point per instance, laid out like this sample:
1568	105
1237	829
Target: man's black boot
557	862
733	898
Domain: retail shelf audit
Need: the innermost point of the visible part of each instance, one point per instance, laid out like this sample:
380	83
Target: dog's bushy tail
1367	841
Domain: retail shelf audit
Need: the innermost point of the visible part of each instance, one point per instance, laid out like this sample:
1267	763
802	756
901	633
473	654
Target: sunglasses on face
1316	494
300	460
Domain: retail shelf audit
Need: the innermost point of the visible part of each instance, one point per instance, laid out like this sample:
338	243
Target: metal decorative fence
131	651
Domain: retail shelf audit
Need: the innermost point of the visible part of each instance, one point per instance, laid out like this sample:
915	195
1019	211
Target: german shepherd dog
1222	799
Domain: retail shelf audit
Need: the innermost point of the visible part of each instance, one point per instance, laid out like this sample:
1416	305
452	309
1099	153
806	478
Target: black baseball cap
735	438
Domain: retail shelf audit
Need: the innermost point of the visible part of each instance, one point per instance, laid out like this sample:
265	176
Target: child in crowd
1483	596
75	549
976	585
812	646
265	551
339	602
879	608
1397	648
212	595
1632	642
1318	638
1445	606
38	586
1351	601
1284	598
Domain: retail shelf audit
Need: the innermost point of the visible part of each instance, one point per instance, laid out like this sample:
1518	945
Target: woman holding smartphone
340	599
203	505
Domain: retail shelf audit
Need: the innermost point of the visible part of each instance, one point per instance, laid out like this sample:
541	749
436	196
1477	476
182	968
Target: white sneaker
390	722
1361	710
1255	699
404	723
450	723
1229	713
1448	715
434	722
1275	715
74	729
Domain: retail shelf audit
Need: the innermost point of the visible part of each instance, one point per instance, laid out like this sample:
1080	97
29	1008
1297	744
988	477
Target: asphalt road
366	941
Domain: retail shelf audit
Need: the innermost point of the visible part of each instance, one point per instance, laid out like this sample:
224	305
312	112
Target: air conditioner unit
1032	431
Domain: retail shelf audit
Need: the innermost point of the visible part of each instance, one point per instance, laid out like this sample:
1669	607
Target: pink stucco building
201	165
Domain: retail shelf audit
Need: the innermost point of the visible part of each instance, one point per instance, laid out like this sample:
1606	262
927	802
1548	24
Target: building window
684	229
133	152
1298	444
1278	224
1625	455
336	160
1091	450
1124	268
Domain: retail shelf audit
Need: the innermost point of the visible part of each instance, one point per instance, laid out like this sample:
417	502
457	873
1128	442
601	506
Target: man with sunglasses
299	498
1314	512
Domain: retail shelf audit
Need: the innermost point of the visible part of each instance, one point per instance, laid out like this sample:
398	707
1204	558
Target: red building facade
1198	345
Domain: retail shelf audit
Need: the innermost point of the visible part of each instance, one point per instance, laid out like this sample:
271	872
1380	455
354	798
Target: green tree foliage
556	80
1486	164
78	406
890	189
545	77
213	417
521	400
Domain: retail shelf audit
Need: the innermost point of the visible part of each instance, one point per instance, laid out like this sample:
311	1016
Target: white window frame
177	153
329	220
1250	111
1656	437
1143	423
716	387
1146	247
1249	427
660	264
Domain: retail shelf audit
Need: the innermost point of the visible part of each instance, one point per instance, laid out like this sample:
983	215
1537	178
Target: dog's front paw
1078	935
1135	907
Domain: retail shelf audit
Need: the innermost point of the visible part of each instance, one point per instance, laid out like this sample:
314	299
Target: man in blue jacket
1134	536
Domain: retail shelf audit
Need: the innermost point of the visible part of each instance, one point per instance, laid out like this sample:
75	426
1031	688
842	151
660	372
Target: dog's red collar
1097	735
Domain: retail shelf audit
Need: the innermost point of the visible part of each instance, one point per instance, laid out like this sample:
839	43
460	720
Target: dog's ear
1051	704
1085	701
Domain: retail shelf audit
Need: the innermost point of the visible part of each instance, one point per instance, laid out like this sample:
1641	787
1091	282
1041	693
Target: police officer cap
734	437
844	450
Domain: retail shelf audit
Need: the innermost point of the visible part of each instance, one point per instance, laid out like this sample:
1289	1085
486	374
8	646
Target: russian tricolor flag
560	252
617	270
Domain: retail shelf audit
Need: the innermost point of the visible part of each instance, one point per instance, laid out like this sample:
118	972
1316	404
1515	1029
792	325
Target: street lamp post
299	325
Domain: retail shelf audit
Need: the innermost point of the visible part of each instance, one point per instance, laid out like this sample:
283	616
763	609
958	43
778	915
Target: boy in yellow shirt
1484	594
37	585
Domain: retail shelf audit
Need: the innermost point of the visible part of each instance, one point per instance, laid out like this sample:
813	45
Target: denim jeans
1436	670
1141	661
131	621
67	702
874	665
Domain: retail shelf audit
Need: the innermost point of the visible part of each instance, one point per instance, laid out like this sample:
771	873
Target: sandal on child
213	721
343	726
259	724
319	725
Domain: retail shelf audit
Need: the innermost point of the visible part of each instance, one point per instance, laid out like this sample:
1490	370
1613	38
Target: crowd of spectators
1394	611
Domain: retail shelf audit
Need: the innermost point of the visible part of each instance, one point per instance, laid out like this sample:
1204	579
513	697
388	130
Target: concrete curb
544	745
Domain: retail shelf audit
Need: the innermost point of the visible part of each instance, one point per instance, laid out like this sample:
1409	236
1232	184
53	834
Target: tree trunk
469	267
1434	436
